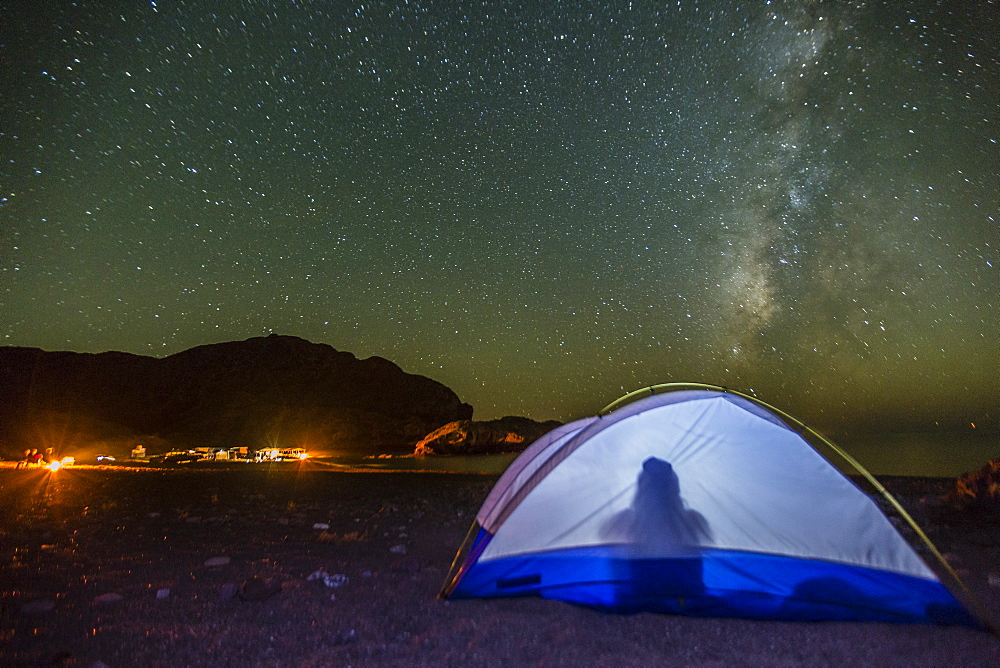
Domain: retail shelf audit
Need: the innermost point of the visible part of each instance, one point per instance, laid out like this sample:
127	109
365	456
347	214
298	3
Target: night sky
543	205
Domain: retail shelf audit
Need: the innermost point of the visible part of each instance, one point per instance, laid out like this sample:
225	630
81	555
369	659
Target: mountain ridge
261	392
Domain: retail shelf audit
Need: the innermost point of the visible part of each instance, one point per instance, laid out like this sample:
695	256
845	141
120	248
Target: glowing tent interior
702	501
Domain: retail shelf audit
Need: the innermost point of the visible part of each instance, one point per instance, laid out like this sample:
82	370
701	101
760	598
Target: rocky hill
469	437
278	391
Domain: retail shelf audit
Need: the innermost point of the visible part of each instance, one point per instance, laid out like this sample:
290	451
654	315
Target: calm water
921	454
451	464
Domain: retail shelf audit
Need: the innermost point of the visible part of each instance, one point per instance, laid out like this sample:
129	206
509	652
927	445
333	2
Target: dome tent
702	501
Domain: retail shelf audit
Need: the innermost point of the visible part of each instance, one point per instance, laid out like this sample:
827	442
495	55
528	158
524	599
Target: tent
696	500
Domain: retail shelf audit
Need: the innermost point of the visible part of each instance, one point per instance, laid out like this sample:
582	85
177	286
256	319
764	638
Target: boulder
468	437
978	491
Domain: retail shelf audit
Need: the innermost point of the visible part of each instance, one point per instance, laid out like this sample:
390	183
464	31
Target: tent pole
456	565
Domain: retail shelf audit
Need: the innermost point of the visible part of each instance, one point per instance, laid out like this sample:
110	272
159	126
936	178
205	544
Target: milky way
542	205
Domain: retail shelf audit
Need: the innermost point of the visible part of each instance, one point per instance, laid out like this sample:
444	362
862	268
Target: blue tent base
715	583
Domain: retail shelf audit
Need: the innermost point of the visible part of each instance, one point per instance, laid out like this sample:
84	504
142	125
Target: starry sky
543	205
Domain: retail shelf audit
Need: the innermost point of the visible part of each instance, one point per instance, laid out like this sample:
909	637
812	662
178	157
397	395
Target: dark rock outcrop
467	437
263	392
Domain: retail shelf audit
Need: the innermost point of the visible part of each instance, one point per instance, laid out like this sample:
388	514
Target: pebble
38	607
398	549
321	525
259	589
993	579
217	561
328	579
228	592
110	597
163	594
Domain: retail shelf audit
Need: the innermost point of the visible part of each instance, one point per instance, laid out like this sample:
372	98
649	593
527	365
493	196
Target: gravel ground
293	565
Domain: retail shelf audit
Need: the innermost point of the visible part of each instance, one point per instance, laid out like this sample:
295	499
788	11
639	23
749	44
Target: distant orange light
973	424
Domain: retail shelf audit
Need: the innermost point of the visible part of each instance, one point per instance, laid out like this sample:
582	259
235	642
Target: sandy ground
107	566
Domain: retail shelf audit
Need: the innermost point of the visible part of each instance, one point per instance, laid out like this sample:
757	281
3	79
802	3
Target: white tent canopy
696	501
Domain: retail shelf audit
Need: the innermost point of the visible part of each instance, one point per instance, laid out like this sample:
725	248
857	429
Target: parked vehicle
281	455
177	457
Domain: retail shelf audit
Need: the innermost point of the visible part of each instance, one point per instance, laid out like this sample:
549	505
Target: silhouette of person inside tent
661	538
